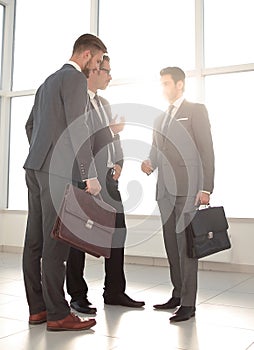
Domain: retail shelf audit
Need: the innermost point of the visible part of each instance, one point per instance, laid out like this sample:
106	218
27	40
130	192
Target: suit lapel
181	109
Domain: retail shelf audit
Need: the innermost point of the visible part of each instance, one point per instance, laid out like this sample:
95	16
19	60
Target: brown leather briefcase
85	222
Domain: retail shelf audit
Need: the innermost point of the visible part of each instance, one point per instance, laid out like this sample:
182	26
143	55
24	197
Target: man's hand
117	173
202	198
117	126
93	186
146	167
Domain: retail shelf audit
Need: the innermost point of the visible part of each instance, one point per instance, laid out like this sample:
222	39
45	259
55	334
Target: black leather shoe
171	304
121	299
83	306
184	313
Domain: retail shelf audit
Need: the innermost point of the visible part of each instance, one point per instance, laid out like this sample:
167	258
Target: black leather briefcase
207	233
85	222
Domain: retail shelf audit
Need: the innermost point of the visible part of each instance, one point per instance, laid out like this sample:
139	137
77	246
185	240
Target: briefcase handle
203	206
83	187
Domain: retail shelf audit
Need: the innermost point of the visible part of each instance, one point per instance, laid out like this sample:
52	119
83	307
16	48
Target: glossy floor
224	318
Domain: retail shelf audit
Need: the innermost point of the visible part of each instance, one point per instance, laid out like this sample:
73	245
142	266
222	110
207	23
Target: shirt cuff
91	178
207	192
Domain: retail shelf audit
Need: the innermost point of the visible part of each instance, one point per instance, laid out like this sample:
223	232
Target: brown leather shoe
70	323
39	318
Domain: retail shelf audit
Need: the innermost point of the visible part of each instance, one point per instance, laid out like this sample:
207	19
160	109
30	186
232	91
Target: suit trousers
44	257
114	281
183	270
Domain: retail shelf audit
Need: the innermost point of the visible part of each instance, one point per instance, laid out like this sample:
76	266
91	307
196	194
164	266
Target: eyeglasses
106	70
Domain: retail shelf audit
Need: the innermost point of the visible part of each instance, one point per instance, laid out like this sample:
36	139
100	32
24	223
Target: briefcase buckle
89	224
210	235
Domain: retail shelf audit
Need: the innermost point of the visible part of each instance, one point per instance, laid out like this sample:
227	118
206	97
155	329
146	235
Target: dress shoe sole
119	304
165	307
182	318
33	323
169	305
90	311
59	329
50	329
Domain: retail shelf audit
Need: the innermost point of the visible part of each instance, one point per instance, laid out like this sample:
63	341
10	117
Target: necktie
167	120
105	122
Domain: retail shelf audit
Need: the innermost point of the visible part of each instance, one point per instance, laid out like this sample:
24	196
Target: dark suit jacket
185	159
116	139
101	137
56	128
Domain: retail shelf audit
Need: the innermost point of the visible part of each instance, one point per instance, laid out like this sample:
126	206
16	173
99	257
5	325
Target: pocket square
180	119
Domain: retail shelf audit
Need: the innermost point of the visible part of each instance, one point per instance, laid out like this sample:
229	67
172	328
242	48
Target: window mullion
199	48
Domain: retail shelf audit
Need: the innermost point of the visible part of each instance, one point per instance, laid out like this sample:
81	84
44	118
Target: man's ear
179	84
87	55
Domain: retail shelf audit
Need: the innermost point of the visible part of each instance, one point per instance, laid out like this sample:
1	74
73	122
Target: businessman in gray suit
58	155
182	151
108	157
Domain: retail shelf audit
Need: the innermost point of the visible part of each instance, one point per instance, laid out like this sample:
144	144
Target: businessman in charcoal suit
57	155
182	151
109	160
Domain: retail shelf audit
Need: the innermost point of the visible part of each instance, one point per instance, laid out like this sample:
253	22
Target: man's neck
92	88
74	64
176	99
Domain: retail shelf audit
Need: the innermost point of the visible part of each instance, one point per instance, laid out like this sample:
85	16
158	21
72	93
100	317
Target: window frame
5	94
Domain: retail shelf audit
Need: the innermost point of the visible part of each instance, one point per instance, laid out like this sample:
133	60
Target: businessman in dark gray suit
108	157
182	151
58	155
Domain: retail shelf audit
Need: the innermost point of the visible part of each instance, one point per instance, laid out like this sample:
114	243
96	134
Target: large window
229	29
230	103
44	38
143	36
20	110
43	43
147	36
210	39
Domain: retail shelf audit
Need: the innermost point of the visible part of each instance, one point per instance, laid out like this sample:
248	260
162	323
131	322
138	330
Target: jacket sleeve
203	138
29	126
153	155
30	121
118	150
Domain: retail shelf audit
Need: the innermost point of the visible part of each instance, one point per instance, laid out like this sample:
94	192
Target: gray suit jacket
56	128
185	158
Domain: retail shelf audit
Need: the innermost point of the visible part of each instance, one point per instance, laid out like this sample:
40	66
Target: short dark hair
175	72
88	42
104	58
